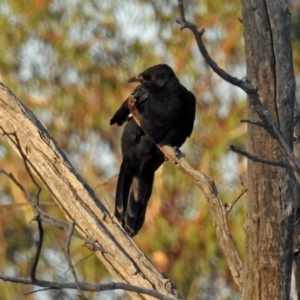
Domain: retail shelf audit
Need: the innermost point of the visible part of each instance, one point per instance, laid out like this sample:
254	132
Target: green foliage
69	62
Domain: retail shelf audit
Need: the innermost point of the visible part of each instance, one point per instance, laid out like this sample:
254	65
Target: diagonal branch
14	139
67	252
243	84
208	187
94	221
229	206
62	225
247	87
273	130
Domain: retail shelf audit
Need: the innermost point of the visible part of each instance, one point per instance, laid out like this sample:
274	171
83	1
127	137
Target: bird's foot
130	231
178	153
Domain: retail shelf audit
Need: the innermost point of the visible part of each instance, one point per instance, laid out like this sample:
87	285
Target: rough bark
269	224
295	289
92	219
217	209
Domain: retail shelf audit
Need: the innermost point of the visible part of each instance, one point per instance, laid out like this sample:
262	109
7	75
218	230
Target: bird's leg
179	154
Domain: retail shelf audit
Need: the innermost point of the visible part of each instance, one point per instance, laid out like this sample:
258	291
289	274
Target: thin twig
259	159
86	286
25	160
229	206
81	260
182	10
208	187
256	123
39	248
105	181
68	257
275	133
60	224
38	291
296	140
242	182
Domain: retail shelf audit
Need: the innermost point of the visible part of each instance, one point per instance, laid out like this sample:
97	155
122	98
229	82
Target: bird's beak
138	78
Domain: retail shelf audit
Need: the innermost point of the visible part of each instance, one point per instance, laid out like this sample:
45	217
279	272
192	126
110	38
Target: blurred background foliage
68	61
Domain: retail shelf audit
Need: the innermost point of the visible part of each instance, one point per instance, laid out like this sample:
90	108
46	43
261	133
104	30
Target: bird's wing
123	113
191	102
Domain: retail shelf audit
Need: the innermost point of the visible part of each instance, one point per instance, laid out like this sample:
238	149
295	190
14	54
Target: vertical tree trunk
269	225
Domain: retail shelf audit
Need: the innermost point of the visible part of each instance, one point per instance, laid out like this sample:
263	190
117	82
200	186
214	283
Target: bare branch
38	291
217	209
67	251
208	187
229	206
77	200
244	84
60	224
258	159
133	109
16	141
275	133
256	123
86	286
105	182
81	260
39	248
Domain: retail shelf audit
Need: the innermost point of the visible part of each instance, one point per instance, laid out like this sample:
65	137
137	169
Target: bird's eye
153	78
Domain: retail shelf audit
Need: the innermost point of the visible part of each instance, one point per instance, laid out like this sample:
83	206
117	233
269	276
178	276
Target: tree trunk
269	224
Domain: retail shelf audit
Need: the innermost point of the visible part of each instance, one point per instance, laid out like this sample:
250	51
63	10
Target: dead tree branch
243	84
60	224
39	248
77	200
217	209
247	87
229	206
67	252
87	286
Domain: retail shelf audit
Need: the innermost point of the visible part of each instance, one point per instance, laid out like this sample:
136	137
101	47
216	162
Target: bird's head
157	76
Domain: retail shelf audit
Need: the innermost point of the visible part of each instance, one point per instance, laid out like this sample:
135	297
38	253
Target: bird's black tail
132	196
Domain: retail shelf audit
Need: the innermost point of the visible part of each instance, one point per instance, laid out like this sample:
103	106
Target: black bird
167	111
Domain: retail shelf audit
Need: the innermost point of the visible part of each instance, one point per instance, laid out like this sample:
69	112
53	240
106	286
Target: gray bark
269	224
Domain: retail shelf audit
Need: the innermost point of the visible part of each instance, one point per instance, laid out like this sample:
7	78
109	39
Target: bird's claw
178	153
